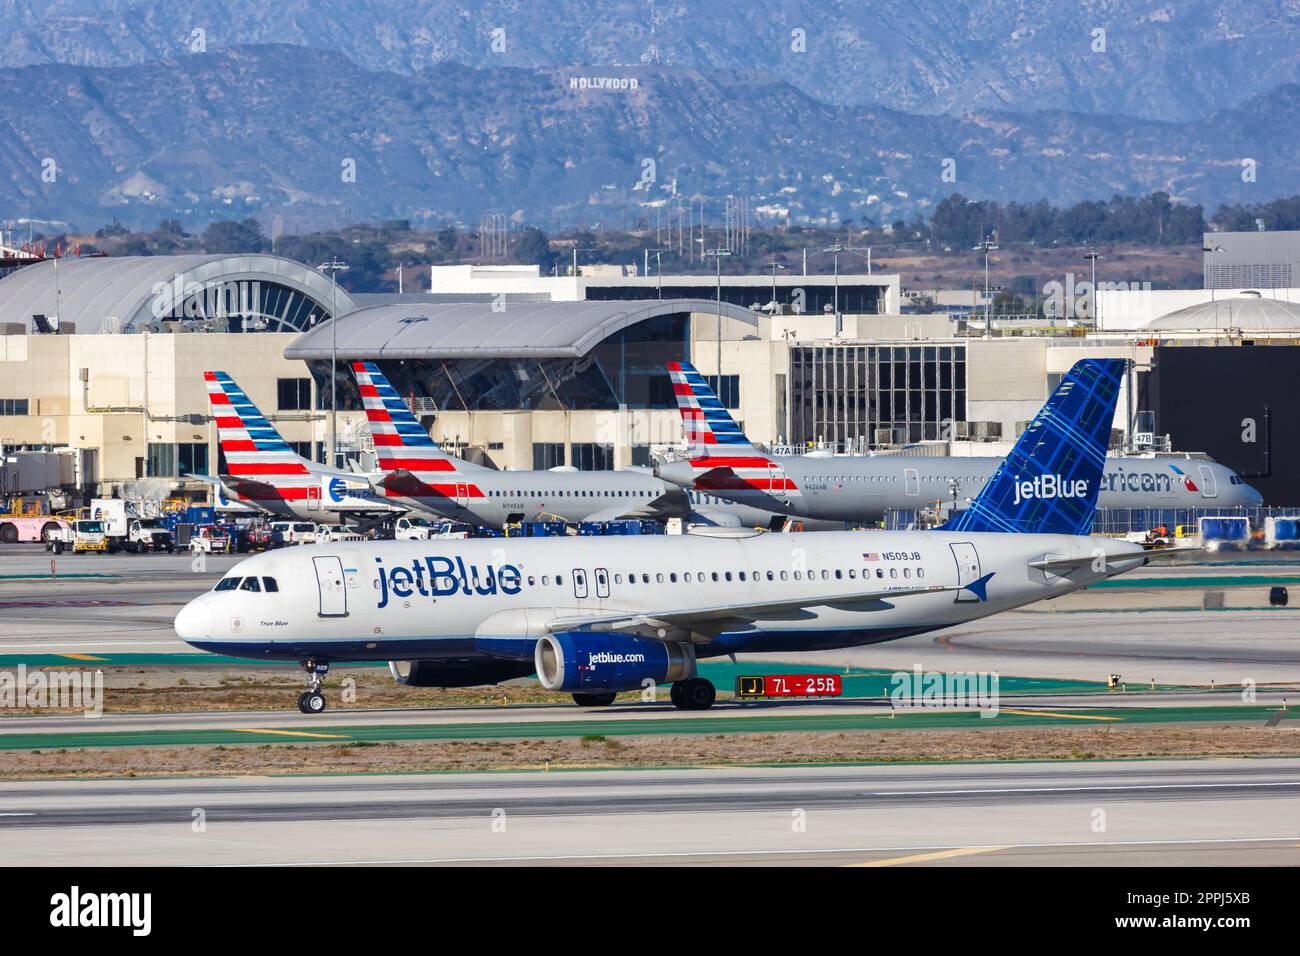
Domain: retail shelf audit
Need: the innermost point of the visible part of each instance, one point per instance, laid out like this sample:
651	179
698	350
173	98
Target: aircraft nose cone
194	621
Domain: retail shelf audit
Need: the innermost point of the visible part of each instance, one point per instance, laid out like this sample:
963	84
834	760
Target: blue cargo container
1225	529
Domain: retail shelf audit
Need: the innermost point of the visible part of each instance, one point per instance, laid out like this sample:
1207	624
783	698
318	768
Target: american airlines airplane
416	474
596	616
266	474
723	463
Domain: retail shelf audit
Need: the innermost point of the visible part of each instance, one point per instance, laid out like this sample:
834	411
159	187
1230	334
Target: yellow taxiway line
927	857
290	733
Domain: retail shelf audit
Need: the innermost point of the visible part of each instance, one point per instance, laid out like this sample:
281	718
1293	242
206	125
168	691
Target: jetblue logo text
442	577
1050	486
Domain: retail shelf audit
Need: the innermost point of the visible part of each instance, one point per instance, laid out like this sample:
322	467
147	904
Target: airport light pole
659	268
774	266
578	249
1094	255
988	245
717	253
1211	250
334	267
835	250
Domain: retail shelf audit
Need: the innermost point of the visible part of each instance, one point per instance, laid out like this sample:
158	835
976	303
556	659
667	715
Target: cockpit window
269	584
227	584
250	584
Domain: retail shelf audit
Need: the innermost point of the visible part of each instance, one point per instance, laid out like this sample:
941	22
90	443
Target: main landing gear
694	694
312	700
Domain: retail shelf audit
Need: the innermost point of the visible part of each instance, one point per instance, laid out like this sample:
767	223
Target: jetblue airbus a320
595	616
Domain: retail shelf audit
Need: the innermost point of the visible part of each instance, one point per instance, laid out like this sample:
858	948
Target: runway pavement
1209	812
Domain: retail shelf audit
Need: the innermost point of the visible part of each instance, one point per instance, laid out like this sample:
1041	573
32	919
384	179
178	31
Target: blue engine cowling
580	660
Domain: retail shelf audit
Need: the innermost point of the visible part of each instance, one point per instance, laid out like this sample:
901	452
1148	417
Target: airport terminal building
112	363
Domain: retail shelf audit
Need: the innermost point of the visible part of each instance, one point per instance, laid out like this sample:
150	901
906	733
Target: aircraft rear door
329	580
462	494
776	479
968	569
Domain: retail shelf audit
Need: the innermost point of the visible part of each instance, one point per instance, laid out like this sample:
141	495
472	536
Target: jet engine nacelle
457	673
578	661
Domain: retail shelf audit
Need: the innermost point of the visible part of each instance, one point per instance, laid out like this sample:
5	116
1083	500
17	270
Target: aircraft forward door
968	569
911	482
329	580
1209	489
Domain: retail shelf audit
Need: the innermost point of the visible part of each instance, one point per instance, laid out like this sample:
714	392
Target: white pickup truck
413	529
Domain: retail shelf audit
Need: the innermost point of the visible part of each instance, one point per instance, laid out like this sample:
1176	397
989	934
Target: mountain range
1159	59
574	111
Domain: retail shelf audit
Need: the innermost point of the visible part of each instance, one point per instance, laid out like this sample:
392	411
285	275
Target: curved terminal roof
1251	312
477	330
118	293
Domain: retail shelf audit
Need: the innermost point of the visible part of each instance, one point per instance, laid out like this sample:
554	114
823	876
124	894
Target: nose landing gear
312	700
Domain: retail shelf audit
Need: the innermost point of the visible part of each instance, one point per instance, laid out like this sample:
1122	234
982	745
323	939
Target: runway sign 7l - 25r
789	685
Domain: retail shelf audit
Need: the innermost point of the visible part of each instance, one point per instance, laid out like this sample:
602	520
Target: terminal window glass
162	460
293	394
13	406
168	460
589	456
875	394
547	455
727	388
192	458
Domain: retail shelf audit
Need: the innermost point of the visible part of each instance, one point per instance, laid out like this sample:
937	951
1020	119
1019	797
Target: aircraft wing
670	624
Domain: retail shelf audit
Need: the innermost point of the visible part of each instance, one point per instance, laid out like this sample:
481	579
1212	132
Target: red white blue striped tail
262	464
402	444
722	457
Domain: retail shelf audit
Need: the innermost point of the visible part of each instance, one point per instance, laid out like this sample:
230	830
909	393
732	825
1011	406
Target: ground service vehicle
211	539
292	532
148	534
17	528
82	535
413	529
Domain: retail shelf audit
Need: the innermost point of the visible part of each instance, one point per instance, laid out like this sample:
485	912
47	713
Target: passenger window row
707	577
570	494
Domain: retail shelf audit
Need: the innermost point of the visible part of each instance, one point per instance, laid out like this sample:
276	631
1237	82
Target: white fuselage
493	499
865	488
495	598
